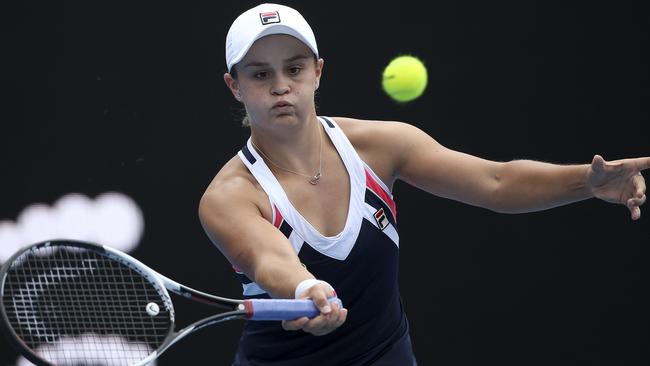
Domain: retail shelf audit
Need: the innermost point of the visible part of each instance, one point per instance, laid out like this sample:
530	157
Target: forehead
276	46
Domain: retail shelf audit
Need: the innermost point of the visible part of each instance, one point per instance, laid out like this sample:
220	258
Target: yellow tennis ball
405	78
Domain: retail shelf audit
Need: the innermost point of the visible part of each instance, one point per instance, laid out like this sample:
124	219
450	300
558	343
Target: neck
296	147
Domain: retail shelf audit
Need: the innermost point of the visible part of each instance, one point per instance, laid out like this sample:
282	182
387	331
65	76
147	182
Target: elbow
499	199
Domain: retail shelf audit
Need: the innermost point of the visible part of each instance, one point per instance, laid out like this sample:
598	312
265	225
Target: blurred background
114	118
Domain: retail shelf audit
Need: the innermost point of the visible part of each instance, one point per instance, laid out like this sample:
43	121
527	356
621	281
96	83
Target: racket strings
73	305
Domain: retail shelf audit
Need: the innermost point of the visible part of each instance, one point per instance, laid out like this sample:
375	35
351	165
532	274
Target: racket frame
237	307
162	284
254	309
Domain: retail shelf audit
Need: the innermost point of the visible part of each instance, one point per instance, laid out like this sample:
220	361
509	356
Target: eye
261	75
295	70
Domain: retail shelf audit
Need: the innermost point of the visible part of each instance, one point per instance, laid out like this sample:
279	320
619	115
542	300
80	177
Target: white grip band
306	284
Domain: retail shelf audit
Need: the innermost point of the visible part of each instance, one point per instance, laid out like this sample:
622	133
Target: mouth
282	105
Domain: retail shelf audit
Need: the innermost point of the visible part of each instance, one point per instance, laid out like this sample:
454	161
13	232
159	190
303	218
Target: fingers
326	323
638	198
322	303
620	181
330	318
598	164
320	325
294	324
639	185
633	204
636	201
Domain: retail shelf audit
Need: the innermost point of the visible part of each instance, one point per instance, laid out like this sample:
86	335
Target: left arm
509	187
543	185
527	185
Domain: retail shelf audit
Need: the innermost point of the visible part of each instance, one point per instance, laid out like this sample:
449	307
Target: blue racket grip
283	309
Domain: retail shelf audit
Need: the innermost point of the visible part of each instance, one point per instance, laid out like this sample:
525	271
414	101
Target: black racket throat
207	299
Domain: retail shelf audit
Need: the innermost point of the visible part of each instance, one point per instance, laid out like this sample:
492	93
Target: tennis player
305	208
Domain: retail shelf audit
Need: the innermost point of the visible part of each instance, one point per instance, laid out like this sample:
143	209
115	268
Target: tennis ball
405	78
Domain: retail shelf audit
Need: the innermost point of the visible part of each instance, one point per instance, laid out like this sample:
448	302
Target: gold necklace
313	179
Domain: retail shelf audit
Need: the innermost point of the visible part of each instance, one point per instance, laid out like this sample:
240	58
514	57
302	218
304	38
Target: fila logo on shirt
382	221
270	17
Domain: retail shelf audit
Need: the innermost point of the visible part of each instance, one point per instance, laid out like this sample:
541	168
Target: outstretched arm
511	187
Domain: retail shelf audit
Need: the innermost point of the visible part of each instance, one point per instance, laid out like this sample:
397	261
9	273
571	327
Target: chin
285	118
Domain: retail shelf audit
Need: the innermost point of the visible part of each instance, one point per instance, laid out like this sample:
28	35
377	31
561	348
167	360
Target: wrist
308	283
586	187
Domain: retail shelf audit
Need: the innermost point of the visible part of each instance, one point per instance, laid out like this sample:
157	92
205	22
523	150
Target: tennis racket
67	302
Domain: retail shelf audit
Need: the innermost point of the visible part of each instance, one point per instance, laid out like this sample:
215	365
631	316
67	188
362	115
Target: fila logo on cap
270	17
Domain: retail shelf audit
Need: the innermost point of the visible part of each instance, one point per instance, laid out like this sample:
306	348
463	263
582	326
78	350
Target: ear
319	71
233	85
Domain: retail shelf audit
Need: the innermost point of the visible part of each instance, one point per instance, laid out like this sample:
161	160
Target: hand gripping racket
66	302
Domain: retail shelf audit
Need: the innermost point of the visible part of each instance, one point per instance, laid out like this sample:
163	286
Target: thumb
320	298
598	164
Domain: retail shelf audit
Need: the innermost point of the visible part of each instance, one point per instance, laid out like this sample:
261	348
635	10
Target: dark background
128	96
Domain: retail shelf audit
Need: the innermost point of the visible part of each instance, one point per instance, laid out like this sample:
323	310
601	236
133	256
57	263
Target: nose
280	85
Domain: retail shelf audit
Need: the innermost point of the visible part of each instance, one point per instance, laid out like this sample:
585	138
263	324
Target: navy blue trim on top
247	153
329	123
286	229
243	278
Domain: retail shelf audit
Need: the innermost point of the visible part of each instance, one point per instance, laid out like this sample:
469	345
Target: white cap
264	20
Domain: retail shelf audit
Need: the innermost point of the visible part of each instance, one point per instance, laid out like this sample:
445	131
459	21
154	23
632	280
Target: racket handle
283	309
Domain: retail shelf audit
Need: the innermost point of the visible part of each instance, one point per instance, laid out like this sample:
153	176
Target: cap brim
273	29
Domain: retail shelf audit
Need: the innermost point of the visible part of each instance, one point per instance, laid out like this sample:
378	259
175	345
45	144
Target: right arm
235	224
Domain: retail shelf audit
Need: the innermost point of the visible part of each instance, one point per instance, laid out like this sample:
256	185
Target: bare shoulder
364	133
381	144
233	187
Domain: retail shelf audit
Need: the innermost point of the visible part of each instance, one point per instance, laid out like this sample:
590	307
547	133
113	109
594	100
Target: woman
305	208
